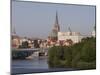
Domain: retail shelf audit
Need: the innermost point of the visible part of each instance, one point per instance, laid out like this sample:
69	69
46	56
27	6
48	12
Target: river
35	65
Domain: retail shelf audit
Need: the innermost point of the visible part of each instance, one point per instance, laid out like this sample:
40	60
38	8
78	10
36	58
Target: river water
35	65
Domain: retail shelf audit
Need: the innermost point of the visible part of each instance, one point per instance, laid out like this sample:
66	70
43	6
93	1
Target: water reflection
35	63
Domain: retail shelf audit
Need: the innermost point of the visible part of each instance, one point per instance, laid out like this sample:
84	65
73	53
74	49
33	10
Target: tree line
81	55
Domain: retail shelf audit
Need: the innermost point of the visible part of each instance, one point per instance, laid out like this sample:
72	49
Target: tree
69	41
36	44
81	55
24	45
88	52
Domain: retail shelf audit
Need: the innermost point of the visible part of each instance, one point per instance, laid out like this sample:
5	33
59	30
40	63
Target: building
93	32
63	38
54	34
15	39
75	37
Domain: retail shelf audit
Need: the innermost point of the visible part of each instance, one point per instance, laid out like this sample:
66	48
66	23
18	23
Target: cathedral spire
56	21
56	26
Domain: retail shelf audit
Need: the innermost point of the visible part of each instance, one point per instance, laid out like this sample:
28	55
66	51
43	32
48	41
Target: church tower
56	25
13	33
56	29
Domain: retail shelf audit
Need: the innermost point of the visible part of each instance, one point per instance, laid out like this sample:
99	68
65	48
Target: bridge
28	53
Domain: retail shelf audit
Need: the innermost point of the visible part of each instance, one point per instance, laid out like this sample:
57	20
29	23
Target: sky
34	19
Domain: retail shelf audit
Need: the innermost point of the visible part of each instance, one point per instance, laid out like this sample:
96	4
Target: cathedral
55	30
57	35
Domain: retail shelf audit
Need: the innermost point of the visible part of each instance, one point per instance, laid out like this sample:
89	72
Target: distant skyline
32	19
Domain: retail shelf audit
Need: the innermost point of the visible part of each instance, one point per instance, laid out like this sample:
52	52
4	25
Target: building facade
94	32
15	39
75	37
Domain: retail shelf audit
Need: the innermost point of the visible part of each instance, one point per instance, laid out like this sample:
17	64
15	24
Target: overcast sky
33	19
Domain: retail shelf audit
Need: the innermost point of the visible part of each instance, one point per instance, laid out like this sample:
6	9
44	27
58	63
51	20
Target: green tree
81	55
24	45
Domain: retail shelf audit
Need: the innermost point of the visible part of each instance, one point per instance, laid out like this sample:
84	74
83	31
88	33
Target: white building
74	36
93	33
22	40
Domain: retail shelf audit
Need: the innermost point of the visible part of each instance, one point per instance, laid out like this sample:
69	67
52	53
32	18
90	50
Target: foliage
36	44
81	55
24	45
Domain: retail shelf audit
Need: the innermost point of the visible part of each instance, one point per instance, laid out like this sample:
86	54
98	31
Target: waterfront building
15	39
30	43
20	42
15	42
27	40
